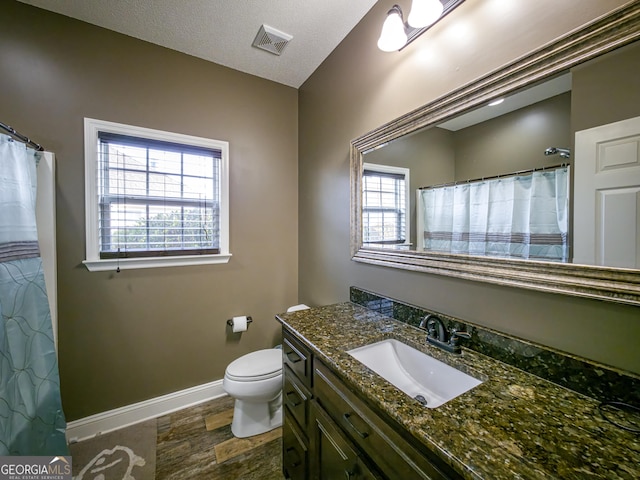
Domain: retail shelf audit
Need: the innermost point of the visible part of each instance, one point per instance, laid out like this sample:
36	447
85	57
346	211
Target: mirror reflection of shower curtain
521	216
31	418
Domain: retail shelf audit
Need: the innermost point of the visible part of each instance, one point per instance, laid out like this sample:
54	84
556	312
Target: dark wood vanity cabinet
329	433
383	445
296	400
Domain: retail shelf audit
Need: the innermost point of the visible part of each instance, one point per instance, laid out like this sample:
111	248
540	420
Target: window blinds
384	206
157	198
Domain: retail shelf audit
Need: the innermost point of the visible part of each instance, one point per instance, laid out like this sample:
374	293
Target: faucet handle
458	334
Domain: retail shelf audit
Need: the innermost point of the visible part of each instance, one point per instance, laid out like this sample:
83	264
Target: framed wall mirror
429	189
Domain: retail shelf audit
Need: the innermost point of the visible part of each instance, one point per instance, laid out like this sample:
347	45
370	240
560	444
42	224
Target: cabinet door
295	453
333	456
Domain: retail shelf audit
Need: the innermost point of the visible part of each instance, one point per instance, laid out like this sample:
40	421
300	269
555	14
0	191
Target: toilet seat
258	365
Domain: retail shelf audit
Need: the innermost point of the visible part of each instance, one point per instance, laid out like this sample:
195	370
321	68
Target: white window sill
102	265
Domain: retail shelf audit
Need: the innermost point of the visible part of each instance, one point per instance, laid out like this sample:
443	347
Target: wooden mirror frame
605	34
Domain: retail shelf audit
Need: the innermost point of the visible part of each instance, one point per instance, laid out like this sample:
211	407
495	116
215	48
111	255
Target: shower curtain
520	216
31	418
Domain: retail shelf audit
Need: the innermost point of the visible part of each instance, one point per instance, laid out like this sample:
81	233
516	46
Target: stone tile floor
197	443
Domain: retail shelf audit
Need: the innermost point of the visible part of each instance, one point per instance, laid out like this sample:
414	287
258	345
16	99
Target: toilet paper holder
230	321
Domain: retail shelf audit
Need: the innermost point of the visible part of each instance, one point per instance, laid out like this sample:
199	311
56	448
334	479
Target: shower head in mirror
563	152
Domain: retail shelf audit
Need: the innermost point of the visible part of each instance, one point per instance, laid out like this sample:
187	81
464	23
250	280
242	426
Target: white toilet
255	381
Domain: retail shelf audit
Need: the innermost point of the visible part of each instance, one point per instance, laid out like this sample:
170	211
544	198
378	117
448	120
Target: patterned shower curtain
518	216
31	418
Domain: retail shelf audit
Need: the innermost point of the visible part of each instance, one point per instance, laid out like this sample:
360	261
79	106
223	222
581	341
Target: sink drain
421	399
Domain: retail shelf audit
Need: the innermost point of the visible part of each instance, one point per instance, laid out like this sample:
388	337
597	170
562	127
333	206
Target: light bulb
424	13
393	36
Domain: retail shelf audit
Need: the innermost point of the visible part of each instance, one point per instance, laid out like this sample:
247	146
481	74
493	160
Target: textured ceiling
223	31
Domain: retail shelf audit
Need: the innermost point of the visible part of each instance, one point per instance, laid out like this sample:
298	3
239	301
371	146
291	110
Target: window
154	198
385	204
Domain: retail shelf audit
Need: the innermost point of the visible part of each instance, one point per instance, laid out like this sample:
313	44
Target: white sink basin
415	373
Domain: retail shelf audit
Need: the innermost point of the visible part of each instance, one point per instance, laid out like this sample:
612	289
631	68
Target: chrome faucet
438	335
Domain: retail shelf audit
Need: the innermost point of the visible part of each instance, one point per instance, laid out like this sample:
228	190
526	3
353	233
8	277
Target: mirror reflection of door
607	195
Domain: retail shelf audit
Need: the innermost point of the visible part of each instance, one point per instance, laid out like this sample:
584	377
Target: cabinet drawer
297	357
296	398
295	454
395	456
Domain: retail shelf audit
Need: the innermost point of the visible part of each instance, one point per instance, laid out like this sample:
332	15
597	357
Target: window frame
93	262
393	170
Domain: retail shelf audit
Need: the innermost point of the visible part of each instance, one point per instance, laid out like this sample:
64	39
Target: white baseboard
138	412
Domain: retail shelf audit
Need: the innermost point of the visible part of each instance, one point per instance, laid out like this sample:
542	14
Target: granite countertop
512	426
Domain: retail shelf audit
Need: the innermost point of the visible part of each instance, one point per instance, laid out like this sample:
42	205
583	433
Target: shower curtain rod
520	172
22	138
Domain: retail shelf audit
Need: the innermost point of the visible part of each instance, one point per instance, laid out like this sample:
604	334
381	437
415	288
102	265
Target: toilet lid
261	364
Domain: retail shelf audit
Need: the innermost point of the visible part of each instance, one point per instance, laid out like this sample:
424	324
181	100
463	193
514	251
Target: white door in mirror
607	195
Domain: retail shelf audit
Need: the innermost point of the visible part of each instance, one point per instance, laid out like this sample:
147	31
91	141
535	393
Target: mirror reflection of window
385	204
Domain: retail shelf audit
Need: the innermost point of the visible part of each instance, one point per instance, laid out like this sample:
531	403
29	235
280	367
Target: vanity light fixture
393	35
397	34
424	13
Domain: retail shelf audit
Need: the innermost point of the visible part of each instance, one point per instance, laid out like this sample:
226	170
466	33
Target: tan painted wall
359	88
139	334
594	102
515	141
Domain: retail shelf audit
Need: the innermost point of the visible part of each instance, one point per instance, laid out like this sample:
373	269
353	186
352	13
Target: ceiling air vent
271	40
